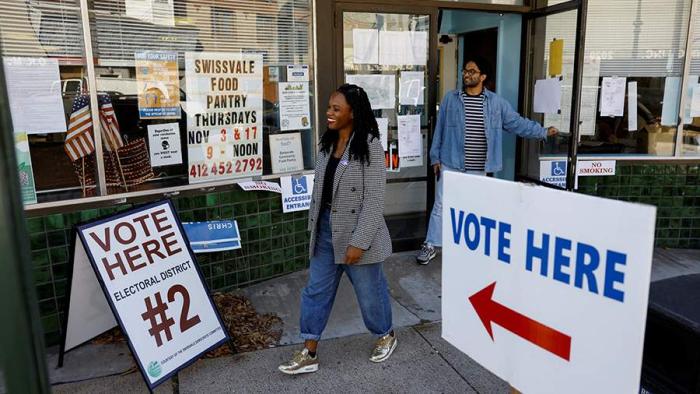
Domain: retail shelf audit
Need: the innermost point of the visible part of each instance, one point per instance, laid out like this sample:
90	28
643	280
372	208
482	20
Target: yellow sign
556	55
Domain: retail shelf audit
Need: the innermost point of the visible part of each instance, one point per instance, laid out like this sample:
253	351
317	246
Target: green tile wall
673	188
273	244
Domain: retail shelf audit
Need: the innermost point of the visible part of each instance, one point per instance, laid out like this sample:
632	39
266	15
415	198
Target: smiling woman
348	232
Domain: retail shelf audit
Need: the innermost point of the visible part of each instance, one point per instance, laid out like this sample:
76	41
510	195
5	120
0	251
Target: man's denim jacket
499	116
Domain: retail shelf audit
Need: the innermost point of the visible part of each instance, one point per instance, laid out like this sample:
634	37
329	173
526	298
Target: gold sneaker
301	362
383	348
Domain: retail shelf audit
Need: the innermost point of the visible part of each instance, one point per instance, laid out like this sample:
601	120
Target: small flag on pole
79	142
79	138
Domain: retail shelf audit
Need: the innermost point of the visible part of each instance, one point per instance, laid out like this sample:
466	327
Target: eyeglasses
470	72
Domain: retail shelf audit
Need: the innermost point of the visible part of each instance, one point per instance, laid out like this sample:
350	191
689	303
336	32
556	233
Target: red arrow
545	337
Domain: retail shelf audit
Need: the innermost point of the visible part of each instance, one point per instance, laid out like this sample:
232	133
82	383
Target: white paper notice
383	124
691	87
164	144
589	98
409	135
413	161
403	48
285	153
294	106
365	46
158	12
632	106
296	73
547	96
695	102
261	185
34	90
672	97
380	88
411	88
612	96
163	12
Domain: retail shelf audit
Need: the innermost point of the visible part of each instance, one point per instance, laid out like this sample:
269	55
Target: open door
391	51
554	52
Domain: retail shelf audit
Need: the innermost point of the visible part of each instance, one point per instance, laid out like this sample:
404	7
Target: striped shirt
474	132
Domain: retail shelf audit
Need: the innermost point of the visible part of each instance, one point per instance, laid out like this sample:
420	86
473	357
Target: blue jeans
434	235
368	280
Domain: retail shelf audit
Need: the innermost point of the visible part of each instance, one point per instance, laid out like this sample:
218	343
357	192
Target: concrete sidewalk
422	355
423	361
415	298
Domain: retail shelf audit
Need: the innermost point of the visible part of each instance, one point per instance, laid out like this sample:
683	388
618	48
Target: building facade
89	56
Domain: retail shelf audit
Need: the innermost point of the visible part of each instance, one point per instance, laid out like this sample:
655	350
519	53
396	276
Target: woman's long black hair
364	124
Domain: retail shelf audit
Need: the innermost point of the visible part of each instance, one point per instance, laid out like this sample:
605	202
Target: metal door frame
581	6
431	100
21	335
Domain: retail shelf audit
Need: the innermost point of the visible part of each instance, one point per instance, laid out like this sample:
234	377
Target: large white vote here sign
547	289
153	286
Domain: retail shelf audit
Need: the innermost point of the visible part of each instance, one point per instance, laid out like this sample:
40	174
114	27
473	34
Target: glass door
390	53
560	90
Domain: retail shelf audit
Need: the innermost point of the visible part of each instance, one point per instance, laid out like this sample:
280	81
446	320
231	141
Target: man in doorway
468	138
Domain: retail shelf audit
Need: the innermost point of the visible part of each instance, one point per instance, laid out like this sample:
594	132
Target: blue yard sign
214	236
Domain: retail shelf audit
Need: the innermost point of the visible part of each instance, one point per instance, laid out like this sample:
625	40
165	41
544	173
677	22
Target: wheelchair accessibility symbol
558	168
299	185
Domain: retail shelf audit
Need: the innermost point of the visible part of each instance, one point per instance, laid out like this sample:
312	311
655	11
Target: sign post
150	280
545	288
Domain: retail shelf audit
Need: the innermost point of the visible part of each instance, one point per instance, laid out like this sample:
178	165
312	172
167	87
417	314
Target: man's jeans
434	235
317	298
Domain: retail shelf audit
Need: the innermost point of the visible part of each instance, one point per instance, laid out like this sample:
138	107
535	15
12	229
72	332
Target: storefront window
45	72
691	113
187	92
630	45
202	91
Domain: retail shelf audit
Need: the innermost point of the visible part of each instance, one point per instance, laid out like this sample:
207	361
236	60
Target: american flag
108	124
79	141
79	138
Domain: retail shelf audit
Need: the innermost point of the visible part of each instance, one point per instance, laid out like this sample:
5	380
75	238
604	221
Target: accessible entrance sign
150	280
545	288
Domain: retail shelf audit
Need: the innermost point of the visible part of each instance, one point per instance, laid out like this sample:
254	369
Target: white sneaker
427	252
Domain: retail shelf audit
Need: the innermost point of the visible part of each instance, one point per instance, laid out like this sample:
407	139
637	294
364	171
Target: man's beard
466	84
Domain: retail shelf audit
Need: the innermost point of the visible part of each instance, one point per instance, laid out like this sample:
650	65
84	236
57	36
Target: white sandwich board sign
136	269
545	288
